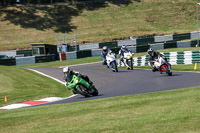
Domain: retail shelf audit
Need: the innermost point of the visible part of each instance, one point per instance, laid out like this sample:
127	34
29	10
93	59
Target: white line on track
47	76
53	79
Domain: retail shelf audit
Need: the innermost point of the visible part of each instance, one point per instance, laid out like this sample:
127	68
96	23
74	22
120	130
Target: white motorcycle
111	62
162	66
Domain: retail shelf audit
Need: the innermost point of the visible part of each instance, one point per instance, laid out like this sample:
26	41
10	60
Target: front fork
169	67
125	62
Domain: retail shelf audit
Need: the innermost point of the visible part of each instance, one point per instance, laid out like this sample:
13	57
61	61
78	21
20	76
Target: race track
126	82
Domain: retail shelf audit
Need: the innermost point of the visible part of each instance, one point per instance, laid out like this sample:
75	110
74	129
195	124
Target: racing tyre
95	91
170	73
131	63
83	90
167	71
115	66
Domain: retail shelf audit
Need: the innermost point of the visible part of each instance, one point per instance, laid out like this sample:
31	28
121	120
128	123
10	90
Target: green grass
166	112
21	85
20	26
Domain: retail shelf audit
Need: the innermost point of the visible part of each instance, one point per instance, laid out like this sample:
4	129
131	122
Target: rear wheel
94	91
82	90
131	64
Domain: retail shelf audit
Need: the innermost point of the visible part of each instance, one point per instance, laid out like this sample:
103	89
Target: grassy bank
21	85
21	26
169	111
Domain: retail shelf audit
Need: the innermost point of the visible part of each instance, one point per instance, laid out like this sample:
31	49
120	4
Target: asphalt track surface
125	82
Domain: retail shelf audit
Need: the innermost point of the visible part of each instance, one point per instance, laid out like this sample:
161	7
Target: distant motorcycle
81	86
162	66
128	59
111	62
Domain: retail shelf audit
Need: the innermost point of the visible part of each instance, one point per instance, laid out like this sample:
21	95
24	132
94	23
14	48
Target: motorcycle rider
104	52
152	56
68	75
121	53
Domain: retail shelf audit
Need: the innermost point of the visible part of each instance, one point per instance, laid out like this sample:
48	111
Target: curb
35	102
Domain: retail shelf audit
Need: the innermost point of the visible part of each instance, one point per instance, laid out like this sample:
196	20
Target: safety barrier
136	45
27	60
169	41
174	58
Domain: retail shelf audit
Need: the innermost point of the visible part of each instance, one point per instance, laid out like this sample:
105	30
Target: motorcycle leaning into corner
80	86
162	66
111	62
128	59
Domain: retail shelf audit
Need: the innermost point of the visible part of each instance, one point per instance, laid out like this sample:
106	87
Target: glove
65	84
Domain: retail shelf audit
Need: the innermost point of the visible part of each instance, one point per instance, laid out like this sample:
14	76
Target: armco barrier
127	42
71	55
170	45
96	52
174	58
139	41
11	53
143	41
25	60
164	38
45	58
178	37
157	46
8	62
89	46
108	44
24	52
181	44
84	53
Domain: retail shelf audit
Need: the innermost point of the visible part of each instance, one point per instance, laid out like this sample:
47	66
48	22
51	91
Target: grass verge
169	111
21	85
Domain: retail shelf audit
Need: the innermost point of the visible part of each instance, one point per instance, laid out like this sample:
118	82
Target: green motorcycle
81	86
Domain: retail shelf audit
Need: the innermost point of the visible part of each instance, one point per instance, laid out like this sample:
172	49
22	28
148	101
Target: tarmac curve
125	82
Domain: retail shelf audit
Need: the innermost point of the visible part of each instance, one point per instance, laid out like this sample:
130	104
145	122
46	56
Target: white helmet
150	51
105	48
66	69
124	47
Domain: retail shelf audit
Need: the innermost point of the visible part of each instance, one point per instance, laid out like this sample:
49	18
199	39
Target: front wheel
167	71
115	66
170	73
82	90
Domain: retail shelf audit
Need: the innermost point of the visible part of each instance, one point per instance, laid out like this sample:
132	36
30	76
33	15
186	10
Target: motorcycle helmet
105	49
66	70
123	47
150	51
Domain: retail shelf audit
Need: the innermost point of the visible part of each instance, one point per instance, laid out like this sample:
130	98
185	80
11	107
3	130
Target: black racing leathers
155	55
70	74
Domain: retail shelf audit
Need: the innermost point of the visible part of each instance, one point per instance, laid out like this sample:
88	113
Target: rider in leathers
152	56
104	52
121	53
68	75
